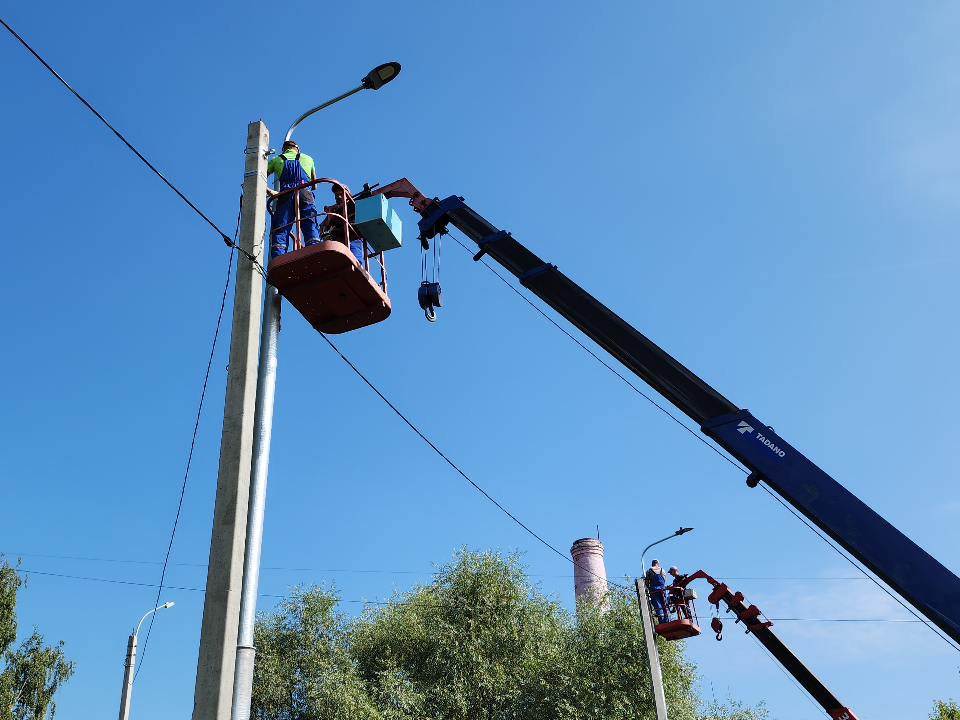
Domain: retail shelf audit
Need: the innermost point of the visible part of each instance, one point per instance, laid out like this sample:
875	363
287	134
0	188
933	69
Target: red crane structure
678	601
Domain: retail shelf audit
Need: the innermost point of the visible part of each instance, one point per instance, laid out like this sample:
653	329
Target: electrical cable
193	589
233	245
226	239
823	537
139	584
792	679
122	138
458	470
105	580
390	572
193	442
603	362
716	450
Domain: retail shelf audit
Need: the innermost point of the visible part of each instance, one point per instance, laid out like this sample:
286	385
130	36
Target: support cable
823	537
226	239
193	442
458	470
603	362
789	676
715	449
193	589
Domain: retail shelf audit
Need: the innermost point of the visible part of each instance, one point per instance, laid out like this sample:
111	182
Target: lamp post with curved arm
656	677
679	532
262	431
131	660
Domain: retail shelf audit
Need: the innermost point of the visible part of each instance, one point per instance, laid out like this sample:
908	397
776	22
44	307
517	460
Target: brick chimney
589	574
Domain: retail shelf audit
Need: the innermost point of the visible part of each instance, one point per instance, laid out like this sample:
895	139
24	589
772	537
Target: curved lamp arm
679	532
162	607
374	80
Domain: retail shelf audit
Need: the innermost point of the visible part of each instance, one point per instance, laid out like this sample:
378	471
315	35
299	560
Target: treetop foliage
479	642
32	673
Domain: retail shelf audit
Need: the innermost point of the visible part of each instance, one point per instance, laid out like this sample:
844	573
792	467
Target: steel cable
193	442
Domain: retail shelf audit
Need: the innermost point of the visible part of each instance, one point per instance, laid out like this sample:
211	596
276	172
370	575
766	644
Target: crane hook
429	297
717	626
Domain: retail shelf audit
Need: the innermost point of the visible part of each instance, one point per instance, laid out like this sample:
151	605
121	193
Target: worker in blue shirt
292	168
656	580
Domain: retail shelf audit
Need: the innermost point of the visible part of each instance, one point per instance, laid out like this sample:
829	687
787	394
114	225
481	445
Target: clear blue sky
769	192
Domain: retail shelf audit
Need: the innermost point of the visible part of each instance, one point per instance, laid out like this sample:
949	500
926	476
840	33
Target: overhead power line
371	602
876	582
457	469
603	362
224	236
374	570
716	450
139	584
115	131
193	443
232	244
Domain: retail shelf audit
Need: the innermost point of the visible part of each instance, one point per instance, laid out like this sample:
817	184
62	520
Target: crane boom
750	616
903	565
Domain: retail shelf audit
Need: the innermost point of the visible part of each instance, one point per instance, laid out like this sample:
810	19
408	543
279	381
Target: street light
656	677
262	431
373	80
679	532
130	662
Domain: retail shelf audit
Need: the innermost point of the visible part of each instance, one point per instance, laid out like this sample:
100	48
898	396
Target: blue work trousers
283	222
659	604
356	247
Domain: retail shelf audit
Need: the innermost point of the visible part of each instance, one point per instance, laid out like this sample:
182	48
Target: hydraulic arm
902	564
752	618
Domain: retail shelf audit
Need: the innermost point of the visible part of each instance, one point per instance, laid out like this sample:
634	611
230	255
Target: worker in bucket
677	577
332	226
678	594
656	580
292	168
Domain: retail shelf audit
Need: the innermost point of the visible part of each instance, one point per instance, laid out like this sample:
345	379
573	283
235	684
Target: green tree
734	710
948	710
303	668
33	672
477	643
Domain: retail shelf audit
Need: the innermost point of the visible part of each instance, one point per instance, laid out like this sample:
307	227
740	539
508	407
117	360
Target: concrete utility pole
221	607
649	636
130	664
263	429
650	640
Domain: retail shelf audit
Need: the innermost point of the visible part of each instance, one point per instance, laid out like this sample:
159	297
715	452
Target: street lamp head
169	604
381	75
683	530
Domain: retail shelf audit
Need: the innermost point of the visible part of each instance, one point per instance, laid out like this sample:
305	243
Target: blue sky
767	191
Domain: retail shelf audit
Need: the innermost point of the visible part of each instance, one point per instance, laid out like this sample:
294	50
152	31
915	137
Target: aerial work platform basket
325	281
678	603
329	287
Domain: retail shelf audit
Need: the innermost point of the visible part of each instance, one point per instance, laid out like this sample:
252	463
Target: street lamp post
262	431
656	677
131	661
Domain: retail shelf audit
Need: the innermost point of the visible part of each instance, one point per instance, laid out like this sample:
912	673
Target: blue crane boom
902	564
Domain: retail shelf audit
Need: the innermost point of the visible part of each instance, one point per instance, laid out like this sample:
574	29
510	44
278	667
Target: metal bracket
489	239
535	271
707	425
252	150
438	214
